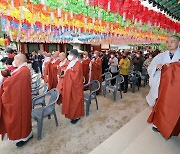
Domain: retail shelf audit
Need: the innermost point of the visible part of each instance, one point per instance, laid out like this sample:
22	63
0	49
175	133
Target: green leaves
36	1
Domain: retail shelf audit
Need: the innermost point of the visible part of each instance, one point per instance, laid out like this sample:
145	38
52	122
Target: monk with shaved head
96	69
164	90
61	68
52	70
85	63
15	103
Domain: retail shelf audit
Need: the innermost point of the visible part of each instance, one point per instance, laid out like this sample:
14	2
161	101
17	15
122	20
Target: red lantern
103	4
127	4
116	5
93	2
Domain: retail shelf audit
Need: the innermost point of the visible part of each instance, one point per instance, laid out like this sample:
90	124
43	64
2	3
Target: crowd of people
68	72
114	61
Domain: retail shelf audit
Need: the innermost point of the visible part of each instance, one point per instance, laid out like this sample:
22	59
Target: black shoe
125	91
22	143
74	121
155	129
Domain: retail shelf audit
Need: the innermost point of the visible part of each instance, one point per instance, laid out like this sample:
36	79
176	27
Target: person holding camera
61	68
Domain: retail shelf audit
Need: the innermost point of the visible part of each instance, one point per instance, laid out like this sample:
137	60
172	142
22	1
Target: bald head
56	54
172	43
44	53
19	59
176	37
85	53
62	56
96	54
48	55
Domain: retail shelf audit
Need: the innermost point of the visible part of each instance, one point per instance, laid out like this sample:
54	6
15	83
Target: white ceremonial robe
155	75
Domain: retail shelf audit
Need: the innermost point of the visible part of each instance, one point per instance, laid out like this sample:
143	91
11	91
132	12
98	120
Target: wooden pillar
58	47
96	47
62	47
87	47
22	48
46	47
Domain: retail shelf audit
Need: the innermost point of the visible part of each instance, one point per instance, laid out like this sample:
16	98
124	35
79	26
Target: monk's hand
93	60
167	64
62	76
110	61
122	64
159	67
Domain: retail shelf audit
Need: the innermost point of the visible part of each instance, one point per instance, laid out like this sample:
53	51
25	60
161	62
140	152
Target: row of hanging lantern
126	8
42	18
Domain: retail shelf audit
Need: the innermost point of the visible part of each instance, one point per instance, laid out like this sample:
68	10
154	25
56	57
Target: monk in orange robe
61	68
166	111
96	69
85	63
16	104
73	97
52	71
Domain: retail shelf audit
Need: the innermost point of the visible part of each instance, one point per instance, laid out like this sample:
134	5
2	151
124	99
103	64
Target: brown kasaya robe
85	64
52	72
166	111
73	96
96	72
16	105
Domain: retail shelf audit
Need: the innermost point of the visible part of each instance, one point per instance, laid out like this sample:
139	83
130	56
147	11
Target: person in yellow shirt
124	66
